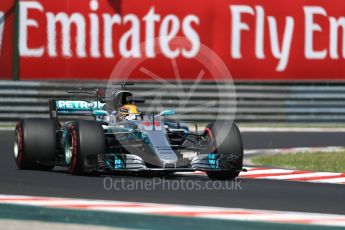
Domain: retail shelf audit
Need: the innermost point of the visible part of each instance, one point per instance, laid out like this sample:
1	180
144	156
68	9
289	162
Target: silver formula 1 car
125	140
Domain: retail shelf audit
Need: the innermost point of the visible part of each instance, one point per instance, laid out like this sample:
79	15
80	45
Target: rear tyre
35	144
229	151
84	141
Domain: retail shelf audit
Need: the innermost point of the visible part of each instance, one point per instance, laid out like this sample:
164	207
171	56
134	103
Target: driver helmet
127	112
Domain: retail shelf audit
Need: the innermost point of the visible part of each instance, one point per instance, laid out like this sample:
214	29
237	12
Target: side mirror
167	112
99	113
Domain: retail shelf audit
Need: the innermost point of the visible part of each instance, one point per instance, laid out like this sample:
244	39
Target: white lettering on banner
2	27
24	23
94	31
101	29
335	24
310	28
237	26
109	22
66	22
191	35
129	41
133	35
259	33
281	53
166	36
150	19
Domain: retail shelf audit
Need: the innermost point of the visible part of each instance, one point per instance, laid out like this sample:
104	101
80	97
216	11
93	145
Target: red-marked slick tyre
229	151
84	141
35	144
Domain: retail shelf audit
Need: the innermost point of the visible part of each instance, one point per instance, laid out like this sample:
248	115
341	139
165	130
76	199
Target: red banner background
258	57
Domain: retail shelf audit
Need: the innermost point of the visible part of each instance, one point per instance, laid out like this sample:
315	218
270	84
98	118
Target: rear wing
75	108
95	107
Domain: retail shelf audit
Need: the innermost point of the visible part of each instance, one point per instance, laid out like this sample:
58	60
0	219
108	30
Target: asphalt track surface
272	140
254	193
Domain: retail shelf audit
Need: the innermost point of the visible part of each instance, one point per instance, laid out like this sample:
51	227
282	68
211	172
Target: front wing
108	163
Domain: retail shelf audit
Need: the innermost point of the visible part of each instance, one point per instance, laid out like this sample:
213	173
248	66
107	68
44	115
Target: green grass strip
318	161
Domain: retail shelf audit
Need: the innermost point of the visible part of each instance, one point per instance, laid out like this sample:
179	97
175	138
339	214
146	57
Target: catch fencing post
16	57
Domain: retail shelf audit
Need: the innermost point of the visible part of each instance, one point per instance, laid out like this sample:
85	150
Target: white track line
300	176
179	210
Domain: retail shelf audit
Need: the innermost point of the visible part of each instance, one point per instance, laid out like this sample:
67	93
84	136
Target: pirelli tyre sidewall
230	151
84	141
35	144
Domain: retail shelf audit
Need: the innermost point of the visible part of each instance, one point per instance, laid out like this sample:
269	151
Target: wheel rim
16	144
69	149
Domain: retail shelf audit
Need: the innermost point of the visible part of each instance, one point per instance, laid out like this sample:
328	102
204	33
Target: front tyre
229	151
35	144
